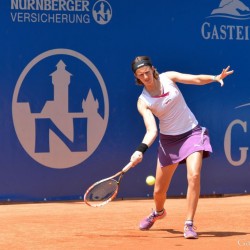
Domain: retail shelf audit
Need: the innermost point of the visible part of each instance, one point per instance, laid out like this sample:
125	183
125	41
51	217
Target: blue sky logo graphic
60	108
232	9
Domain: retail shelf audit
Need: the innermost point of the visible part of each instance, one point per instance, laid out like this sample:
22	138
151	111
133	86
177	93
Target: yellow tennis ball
150	180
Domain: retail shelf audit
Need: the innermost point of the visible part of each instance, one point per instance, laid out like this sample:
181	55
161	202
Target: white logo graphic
241	126
214	29
233	9
102	12
243	105
59	127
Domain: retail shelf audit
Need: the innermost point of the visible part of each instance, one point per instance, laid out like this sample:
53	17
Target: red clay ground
222	223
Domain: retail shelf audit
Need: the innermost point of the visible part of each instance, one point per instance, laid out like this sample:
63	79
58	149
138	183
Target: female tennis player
181	138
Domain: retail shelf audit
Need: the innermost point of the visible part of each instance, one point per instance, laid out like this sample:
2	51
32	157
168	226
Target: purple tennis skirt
176	148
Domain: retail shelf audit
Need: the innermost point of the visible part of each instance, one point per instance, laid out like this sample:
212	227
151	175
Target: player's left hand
225	72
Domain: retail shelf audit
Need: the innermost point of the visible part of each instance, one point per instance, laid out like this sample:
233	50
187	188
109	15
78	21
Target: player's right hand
136	157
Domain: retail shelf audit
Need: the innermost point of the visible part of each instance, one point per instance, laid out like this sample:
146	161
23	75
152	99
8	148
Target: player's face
145	75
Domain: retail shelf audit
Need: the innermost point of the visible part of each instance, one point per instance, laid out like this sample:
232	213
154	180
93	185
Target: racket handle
127	167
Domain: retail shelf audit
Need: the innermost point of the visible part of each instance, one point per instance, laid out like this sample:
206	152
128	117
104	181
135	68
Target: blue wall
68	99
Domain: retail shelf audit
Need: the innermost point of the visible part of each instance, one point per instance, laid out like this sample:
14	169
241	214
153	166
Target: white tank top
171	109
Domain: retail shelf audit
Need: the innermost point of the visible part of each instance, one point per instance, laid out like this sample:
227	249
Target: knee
159	191
194	179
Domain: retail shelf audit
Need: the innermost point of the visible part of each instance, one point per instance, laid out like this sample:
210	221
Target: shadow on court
210	233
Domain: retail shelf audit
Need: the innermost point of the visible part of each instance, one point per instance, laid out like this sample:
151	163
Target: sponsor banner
68	112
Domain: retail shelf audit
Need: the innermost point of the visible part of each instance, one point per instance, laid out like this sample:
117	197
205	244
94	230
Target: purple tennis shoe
189	231
149	221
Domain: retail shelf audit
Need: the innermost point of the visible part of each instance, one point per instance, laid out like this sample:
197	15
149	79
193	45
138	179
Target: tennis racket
105	190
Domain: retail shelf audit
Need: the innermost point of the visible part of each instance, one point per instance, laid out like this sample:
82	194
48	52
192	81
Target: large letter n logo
43	127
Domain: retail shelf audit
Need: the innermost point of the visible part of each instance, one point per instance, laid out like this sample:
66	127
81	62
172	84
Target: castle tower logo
60	108
233	9
102	12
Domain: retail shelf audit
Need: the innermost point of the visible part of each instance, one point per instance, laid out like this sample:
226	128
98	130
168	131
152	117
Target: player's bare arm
199	79
149	121
151	130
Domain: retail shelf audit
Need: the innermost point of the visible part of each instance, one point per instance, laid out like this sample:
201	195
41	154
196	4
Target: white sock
160	212
188	222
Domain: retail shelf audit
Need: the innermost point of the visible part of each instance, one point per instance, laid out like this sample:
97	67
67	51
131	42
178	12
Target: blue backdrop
68	98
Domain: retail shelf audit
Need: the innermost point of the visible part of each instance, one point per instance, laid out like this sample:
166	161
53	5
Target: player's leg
194	164
163	179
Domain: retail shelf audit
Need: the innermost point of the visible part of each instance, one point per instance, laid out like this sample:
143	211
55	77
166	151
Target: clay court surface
222	223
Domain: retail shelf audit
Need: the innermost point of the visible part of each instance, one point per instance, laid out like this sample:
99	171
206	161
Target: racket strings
102	191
